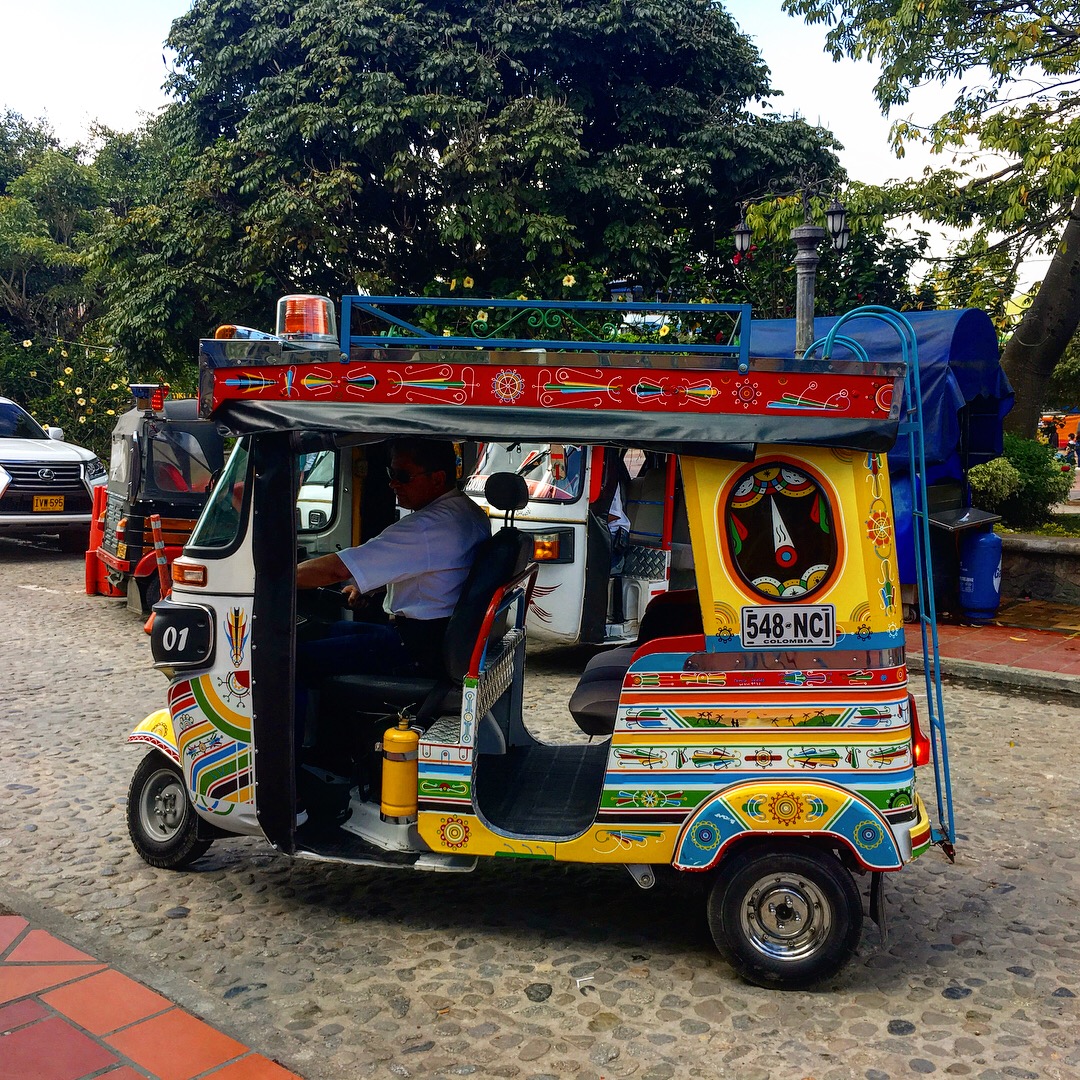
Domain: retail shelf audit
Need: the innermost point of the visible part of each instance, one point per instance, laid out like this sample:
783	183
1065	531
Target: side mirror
55	433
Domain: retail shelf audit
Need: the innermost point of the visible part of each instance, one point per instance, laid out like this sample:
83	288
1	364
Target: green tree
326	145
52	358
878	267
1015	127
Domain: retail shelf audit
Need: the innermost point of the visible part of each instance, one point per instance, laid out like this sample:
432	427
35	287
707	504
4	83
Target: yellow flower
569	280
82	401
27	343
67	371
59	382
707	300
63	353
446	333
110	412
453	284
665	330
93	401
114	387
82	419
33	374
467	283
481	316
522	296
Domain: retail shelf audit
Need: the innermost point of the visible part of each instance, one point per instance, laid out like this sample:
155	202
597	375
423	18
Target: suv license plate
48	503
788	627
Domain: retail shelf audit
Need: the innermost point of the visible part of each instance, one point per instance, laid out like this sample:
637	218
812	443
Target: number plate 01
788	627
182	636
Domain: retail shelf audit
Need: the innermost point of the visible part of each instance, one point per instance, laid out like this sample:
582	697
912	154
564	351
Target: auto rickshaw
759	731
162	459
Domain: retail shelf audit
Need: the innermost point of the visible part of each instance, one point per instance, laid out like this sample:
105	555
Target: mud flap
877	904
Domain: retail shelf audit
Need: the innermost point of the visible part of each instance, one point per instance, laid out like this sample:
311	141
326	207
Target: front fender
157	730
148	563
786	808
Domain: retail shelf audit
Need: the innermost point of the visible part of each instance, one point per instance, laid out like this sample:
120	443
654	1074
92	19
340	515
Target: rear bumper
913	837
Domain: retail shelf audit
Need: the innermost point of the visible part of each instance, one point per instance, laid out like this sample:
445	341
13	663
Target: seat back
676	613
498	561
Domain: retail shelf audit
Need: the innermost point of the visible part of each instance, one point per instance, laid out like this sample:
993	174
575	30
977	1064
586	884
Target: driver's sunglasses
404	476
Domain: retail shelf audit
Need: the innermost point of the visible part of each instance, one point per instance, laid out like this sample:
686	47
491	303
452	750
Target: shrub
993	483
1044	483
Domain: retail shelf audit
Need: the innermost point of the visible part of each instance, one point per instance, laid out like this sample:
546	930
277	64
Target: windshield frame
238	469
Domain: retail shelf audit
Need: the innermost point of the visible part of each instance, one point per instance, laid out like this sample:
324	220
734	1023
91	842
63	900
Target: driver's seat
498	562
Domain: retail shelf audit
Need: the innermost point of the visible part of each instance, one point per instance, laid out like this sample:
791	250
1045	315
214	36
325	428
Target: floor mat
541	791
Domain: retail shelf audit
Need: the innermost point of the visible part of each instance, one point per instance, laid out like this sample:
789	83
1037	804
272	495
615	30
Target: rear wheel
161	821
785	917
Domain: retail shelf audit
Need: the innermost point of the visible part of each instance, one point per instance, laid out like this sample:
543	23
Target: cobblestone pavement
519	969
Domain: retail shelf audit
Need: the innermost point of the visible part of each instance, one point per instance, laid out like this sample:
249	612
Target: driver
422	560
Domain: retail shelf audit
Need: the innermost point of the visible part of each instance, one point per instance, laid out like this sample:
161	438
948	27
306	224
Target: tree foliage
383	144
52	358
1014	129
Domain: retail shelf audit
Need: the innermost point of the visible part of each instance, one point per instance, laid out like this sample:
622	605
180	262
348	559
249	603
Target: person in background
1070	450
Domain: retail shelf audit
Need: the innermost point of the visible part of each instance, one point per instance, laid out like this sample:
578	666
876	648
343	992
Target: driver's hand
354	598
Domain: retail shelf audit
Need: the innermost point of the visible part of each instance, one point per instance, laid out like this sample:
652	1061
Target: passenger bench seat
595	701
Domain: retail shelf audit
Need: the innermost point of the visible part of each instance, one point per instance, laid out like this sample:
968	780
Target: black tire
785	917
75	541
151	594
161	822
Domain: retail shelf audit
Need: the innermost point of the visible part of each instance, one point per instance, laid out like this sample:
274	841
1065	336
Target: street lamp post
807	238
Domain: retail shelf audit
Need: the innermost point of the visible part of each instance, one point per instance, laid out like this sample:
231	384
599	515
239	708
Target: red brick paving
65	1016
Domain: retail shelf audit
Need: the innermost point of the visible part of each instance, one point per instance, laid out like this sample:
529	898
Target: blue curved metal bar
912	428
846	342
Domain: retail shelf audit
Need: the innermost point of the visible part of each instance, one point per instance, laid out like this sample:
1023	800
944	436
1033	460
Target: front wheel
787	917
161	822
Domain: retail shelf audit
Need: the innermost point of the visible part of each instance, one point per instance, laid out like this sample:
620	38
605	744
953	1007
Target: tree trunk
1047	327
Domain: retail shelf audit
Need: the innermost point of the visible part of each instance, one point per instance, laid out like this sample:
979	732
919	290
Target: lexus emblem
46	474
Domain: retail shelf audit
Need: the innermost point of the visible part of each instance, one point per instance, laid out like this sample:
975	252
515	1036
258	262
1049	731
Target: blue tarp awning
965	395
958	366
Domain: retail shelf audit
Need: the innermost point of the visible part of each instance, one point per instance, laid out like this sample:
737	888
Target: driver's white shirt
424	558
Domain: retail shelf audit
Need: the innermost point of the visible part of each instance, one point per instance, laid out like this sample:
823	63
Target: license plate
788	627
49	504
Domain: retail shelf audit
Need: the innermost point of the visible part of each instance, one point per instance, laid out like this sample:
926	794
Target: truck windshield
219	524
15	423
177	462
552	472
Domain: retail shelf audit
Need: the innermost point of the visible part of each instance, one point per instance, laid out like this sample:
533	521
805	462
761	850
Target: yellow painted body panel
625	844
863	584
466	834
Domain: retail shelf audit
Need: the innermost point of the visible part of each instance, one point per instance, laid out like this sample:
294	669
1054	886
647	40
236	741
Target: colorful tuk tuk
161	462
758	731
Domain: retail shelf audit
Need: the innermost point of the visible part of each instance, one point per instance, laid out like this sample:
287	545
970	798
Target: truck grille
44	479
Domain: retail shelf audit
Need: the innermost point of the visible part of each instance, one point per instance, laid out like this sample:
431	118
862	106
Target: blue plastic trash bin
980	575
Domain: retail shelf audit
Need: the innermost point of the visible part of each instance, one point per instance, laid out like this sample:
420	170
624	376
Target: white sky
74	62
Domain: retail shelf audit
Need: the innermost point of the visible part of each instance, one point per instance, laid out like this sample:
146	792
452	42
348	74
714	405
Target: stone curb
1021	678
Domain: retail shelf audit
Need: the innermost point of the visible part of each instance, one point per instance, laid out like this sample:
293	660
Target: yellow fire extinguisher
399	772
